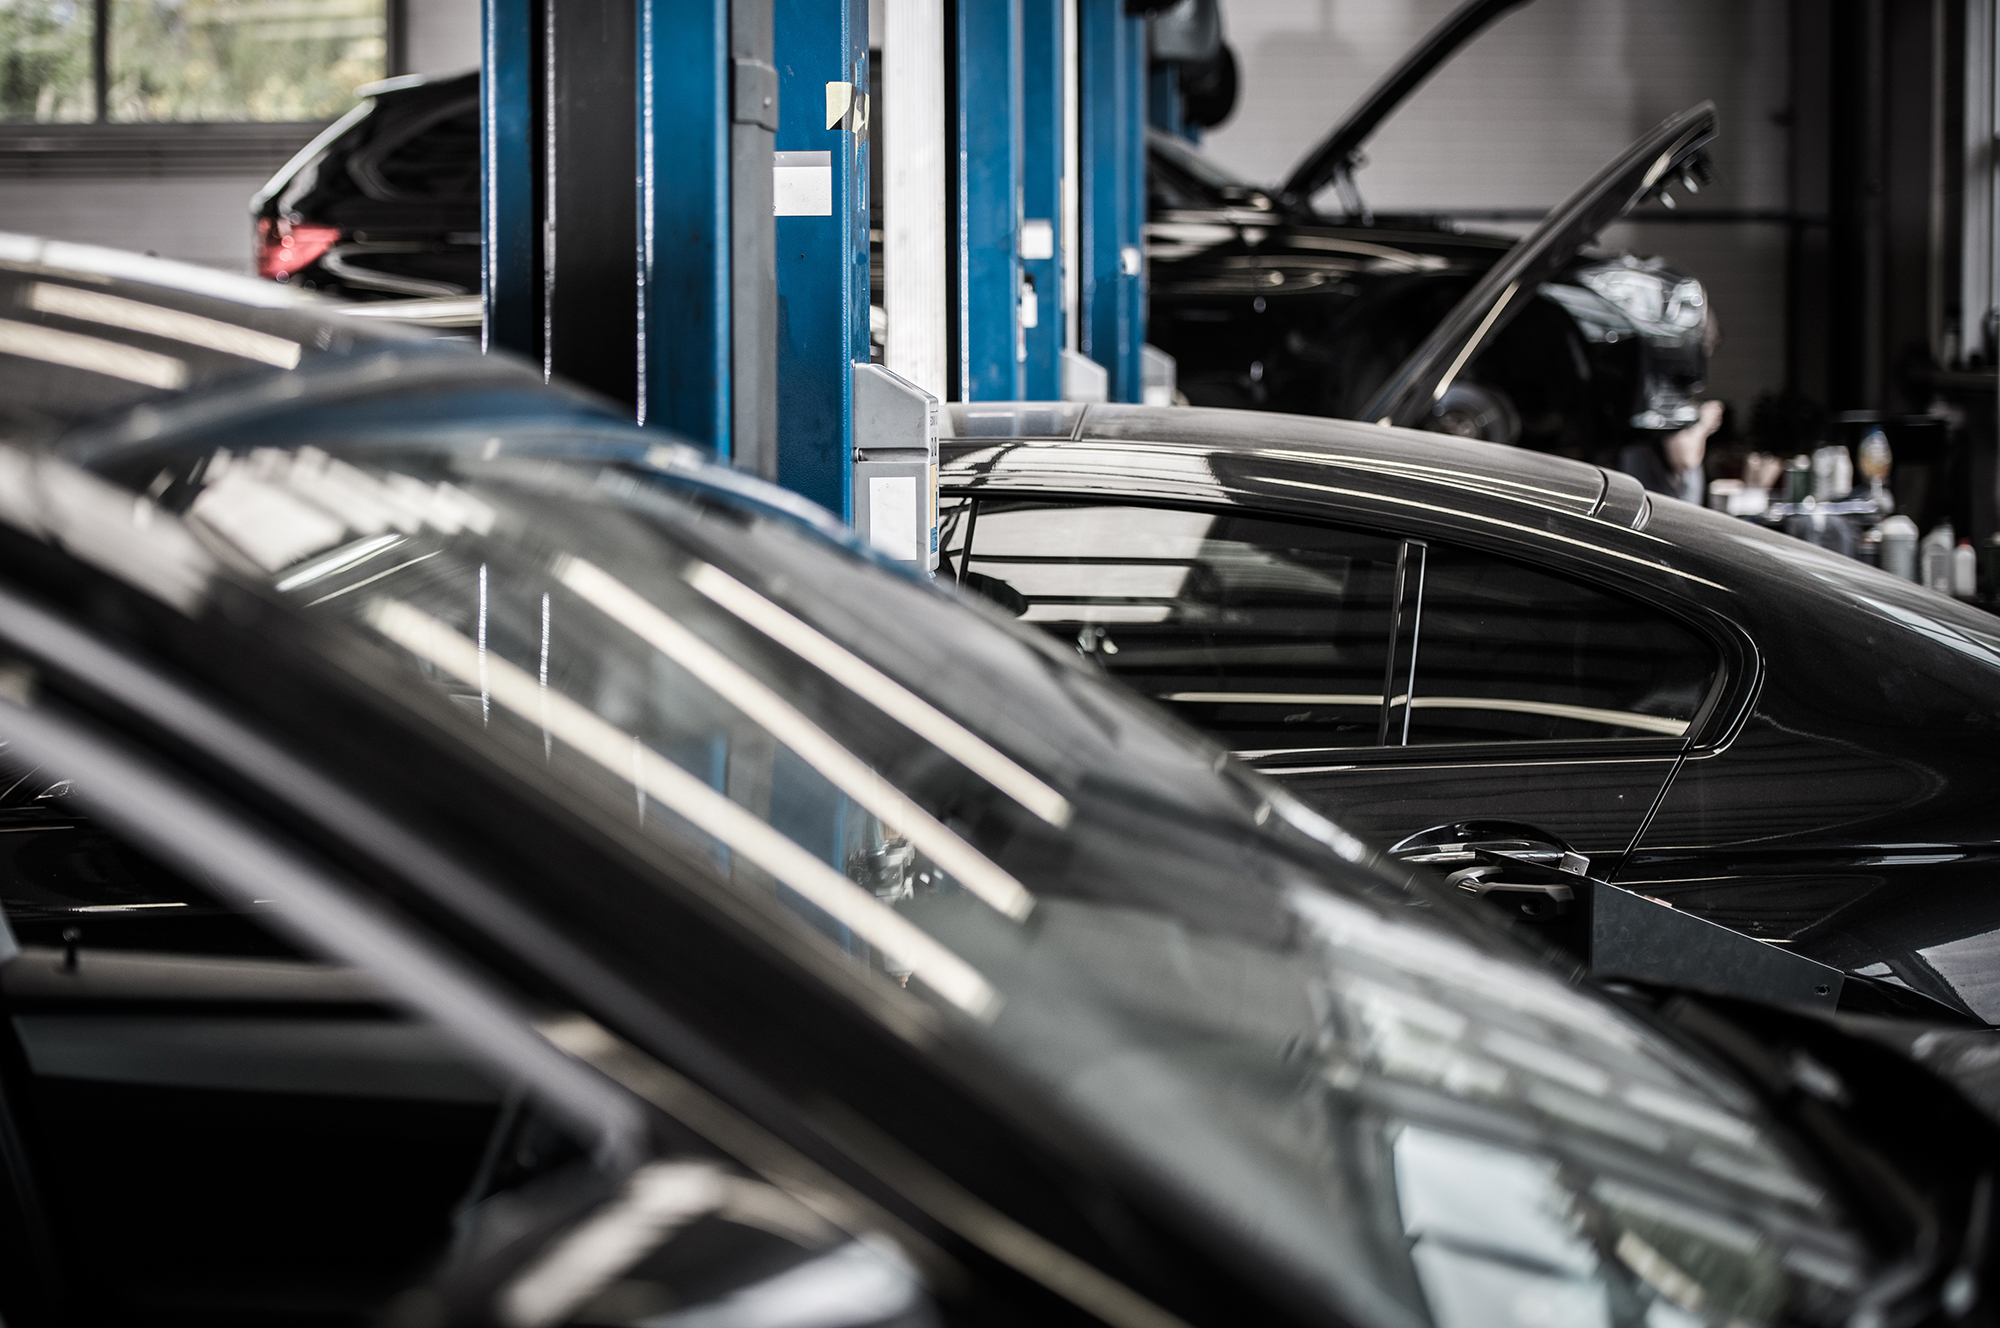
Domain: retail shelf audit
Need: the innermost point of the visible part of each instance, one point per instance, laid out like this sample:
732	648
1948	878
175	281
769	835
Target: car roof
87	333
298	372
1194	453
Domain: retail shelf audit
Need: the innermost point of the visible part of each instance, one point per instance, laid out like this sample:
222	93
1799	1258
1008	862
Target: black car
384	204
1267	304
465	861
1419	635
1263	302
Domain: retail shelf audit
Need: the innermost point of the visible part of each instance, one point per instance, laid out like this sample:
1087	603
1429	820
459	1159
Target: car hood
1340	151
1672	150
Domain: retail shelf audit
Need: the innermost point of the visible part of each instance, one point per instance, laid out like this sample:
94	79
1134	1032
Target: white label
802	184
892	516
1038	239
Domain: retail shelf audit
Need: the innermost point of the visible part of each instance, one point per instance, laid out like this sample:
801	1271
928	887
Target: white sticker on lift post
802	184
892	516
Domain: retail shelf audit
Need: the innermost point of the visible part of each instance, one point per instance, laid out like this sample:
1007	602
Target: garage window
187	61
1269	634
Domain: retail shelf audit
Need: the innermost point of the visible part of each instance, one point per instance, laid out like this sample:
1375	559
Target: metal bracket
1632	936
753	98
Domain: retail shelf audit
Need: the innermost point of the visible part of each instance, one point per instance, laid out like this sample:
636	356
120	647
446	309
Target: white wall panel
442	36
199	219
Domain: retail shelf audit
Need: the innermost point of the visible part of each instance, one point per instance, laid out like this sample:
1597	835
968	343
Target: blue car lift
676	209
625	150
1111	62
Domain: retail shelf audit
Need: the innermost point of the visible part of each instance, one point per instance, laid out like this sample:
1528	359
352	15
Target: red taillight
283	247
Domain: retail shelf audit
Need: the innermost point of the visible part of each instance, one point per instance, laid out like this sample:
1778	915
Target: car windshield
1383	1098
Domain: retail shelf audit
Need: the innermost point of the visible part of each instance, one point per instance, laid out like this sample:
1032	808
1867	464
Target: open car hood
1339	152
1666	154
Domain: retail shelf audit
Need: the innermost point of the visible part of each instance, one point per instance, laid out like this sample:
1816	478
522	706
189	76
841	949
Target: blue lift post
510	166
1112	110
626	201
1040	246
683	219
987	164
821	169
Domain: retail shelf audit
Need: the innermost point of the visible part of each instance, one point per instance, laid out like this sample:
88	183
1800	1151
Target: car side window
1272	635
68	882
1508	653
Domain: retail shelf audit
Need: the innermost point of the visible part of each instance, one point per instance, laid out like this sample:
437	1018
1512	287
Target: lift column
558	138
1044	56
1111	74
627	205
988	295
821	199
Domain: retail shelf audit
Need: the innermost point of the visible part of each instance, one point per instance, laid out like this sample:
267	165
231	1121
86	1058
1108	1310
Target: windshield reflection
1409	1117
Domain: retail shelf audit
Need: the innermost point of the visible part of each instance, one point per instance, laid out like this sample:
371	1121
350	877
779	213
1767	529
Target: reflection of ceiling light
152	320
346	557
881	691
812	744
627	758
73	350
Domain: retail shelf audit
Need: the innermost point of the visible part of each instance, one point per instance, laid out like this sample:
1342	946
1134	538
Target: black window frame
1721	712
100	147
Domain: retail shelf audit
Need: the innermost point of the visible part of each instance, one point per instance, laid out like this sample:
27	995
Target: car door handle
1530	870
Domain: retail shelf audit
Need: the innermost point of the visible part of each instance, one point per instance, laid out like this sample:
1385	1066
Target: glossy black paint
1289	311
253	709
1836	794
398	178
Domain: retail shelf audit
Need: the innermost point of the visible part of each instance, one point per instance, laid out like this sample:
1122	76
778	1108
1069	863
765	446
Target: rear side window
1276	636
1506	653
1268	634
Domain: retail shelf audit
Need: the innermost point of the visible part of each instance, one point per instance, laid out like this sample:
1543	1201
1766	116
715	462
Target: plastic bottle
1798	479
1964	571
1832	473
1934	558
1874	465
1899	547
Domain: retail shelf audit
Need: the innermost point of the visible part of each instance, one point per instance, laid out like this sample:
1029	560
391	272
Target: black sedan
468	862
1444	643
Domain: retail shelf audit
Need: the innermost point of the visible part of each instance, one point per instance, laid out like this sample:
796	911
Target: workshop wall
1530	110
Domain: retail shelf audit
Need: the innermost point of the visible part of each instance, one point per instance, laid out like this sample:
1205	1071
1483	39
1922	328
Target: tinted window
1507	653
1269	634
64	879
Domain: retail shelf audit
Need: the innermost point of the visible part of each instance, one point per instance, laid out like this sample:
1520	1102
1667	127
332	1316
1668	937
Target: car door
1400	685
